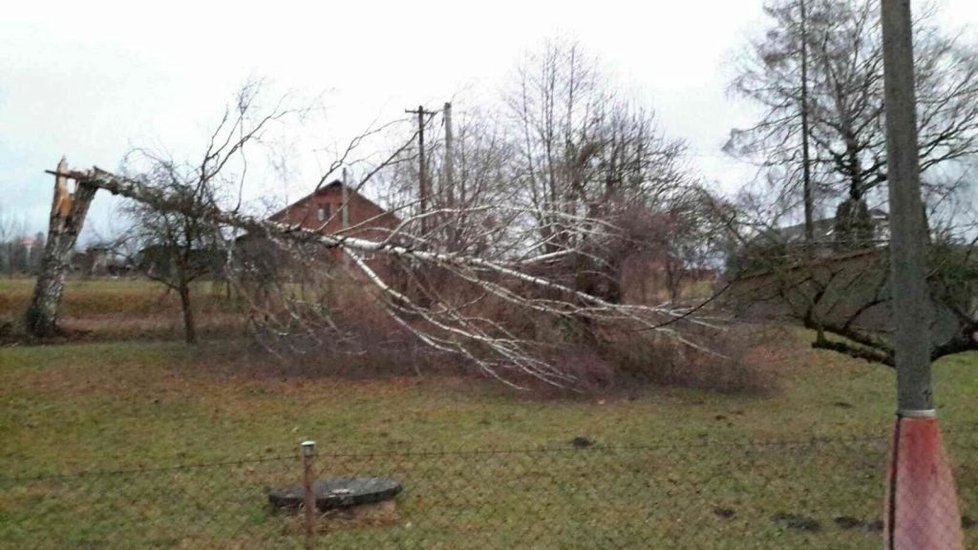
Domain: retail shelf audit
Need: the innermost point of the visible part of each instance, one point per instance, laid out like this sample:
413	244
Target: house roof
323	189
823	229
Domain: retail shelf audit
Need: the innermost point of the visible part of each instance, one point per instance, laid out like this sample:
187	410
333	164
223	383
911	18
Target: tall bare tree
842	46
586	155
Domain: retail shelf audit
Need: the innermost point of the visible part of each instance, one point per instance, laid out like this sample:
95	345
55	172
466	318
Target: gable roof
322	190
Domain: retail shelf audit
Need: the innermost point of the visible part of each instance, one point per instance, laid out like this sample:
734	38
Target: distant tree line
21	254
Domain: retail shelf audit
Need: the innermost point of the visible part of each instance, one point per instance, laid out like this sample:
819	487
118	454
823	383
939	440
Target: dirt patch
725	513
797	522
848	522
379	514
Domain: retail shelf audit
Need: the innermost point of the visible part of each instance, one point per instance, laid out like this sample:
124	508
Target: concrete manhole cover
337	493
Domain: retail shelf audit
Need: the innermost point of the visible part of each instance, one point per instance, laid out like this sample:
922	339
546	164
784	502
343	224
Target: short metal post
309	498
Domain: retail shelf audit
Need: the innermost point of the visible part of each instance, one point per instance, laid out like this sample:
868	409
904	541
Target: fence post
309	498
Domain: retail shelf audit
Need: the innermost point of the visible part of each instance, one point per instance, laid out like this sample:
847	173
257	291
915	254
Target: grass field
671	466
87	298
125	309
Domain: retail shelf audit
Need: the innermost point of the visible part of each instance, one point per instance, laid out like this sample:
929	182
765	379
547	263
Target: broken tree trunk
67	217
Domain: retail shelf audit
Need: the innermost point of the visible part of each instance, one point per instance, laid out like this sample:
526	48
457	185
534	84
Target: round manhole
337	493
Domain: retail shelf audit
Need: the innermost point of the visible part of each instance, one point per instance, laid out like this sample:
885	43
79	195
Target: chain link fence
817	493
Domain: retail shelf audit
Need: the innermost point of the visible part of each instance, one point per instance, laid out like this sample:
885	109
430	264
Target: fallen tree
509	283
848	297
448	323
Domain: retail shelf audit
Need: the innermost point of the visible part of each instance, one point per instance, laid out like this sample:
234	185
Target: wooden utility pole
805	155
922	505
345	212
449	169
450	175
424	189
344	202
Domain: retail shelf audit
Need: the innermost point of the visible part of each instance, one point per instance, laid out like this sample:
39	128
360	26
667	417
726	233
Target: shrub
739	359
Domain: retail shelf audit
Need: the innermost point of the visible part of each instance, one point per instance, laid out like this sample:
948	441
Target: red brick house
322	210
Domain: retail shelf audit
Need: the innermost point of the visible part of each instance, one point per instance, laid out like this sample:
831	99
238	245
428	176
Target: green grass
126	309
125	405
130	297
670	464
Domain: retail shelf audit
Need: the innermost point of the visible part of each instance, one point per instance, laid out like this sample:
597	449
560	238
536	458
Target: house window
324	212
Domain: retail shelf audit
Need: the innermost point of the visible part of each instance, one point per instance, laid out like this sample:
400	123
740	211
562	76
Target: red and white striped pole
921	503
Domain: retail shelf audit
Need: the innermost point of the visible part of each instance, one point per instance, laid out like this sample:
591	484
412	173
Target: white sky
92	79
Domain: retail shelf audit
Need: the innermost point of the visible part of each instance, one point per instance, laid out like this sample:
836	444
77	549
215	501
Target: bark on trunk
41	319
189	326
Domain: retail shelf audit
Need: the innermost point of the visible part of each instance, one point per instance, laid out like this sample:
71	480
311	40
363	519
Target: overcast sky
92	79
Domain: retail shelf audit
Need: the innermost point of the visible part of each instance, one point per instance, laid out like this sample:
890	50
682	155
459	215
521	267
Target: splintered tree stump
337	494
68	212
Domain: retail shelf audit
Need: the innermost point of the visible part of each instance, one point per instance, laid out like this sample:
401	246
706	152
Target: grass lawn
136	296
125	309
672	467
111	406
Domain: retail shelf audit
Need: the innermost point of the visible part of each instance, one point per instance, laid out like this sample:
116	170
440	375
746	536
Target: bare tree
177	244
838	292
7	226
841	294
466	215
571	177
174	247
774	72
585	156
842	45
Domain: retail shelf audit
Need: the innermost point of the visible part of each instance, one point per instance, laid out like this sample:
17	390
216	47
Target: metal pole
921	503
912	311
308	496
